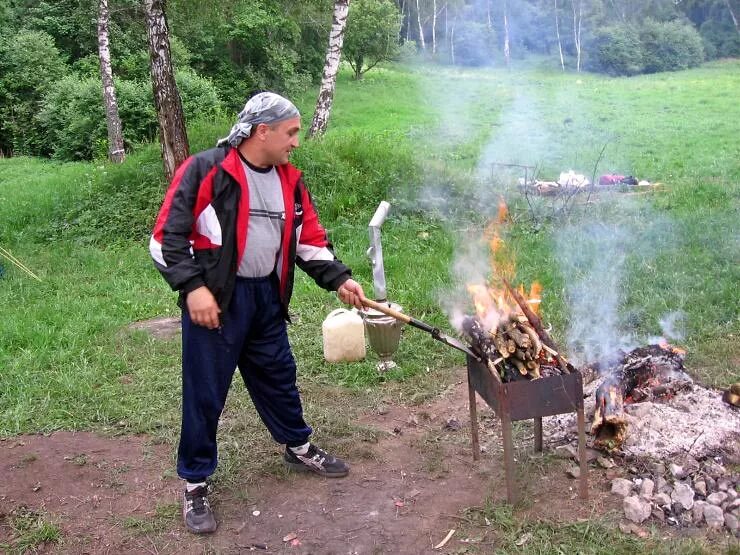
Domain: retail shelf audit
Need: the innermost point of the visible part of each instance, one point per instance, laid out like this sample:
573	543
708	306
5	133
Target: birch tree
173	136
116	152
507	52
577	6
557	33
421	28
331	67
434	26
732	14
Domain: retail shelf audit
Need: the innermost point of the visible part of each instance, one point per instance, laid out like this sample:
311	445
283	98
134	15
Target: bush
29	65
349	173
616	50
73	118
473	44
721	39
670	46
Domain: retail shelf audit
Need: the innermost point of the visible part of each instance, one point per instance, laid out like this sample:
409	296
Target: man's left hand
350	292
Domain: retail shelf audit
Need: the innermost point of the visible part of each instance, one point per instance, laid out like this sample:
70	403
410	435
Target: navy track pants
253	337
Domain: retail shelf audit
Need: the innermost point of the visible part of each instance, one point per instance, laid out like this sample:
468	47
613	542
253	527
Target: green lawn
404	135
424	139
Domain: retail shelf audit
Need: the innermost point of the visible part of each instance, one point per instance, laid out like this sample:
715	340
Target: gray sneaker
316	460
197	513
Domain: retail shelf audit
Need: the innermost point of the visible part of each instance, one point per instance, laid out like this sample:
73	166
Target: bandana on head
264	107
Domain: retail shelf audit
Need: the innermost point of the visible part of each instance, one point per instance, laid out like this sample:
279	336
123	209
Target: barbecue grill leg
538	434
583	482
473	421
508	448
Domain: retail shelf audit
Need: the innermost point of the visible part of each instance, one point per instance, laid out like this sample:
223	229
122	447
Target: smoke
592	258
598	253
471	265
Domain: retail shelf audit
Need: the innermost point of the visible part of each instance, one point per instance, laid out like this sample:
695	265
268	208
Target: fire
663	344
492	301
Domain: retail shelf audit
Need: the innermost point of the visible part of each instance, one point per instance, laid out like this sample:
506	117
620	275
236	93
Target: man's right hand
203	308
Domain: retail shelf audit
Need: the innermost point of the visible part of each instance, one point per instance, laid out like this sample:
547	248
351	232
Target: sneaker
318	461
196	512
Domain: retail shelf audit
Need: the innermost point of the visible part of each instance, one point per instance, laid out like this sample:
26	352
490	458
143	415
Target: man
234	222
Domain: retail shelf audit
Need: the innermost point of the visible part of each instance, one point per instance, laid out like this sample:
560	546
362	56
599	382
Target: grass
495	528
424	139
29	530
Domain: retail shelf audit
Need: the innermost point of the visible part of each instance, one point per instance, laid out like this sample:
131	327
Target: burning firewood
513	348
647	372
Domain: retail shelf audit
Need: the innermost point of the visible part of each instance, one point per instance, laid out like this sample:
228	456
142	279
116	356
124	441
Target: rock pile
689	494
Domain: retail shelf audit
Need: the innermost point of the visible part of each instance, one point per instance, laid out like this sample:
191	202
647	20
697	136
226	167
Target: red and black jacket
201	230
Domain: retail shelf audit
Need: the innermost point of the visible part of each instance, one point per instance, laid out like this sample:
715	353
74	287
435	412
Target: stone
700	487
622	487
731	522
637	510
646	488
683	495
662	499
714	469
604	462
698	511
732	494
733	505
574	472
686	518
658	469
714	516
711	483
566	452
723	484
658	514
662	485
676	471
717	498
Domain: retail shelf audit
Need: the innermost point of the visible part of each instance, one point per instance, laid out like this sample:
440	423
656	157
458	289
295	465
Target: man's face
280	140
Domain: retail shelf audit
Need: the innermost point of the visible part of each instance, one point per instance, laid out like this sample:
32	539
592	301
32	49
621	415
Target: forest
50	80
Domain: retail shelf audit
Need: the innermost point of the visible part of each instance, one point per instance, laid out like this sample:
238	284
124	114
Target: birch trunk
116	153
173	136
421	29
507	52
331	67
557	32
577	31
732	14
452	41
434	27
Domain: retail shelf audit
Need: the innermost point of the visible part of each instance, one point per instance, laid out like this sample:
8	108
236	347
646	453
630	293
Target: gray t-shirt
266	222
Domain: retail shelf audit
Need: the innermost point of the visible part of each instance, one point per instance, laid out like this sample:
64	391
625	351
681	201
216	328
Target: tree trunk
507	53
331	67
488	15
557	32
732	14
116	153
421	29
172	133
434	27
452	41
577	13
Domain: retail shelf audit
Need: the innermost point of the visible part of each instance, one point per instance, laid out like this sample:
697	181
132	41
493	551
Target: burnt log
653	371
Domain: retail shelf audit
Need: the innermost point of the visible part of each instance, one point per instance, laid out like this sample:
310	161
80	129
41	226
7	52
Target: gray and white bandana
264	107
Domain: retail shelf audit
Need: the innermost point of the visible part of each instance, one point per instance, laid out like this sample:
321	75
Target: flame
491	300
663	344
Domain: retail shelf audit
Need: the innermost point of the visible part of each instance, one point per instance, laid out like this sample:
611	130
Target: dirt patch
120	495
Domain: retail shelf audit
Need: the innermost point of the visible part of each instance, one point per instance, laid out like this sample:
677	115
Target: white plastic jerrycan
344	336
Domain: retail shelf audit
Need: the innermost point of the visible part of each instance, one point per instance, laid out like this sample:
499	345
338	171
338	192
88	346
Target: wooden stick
18	263
536	323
